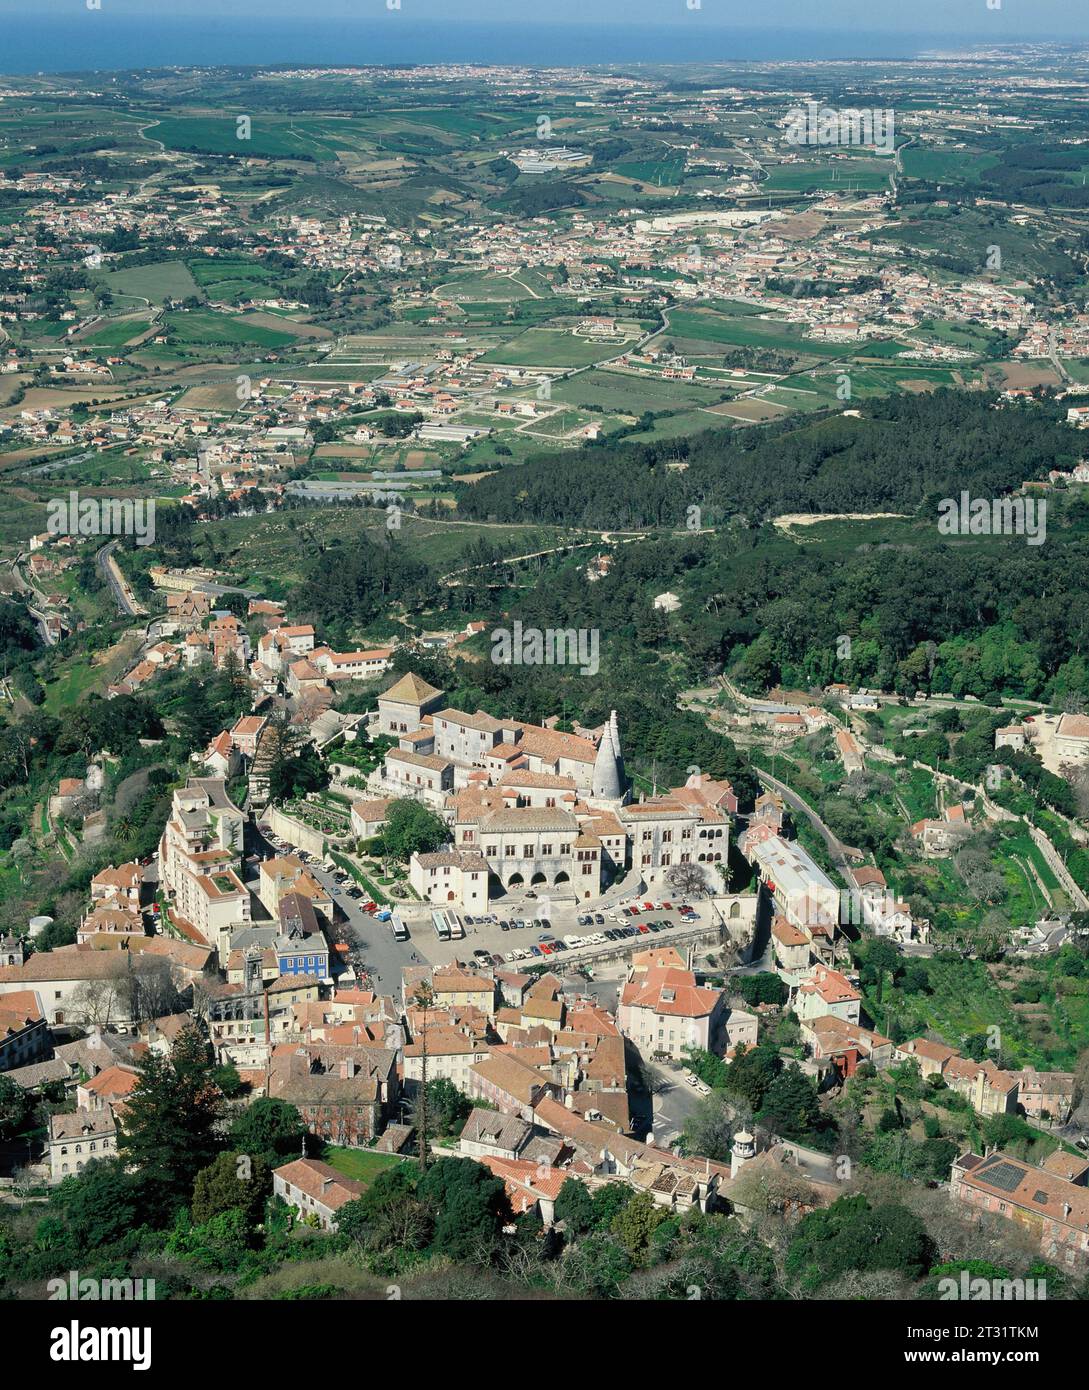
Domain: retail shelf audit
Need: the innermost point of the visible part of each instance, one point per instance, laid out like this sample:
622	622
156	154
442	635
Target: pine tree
168	1128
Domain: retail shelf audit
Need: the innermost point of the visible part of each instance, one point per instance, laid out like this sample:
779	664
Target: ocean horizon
99	41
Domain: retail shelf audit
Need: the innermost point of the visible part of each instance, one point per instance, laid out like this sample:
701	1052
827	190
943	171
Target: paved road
121	597
802	807
373	948
36	602
673	1103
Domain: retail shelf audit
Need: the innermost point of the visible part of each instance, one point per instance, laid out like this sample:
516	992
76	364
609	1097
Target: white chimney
744	1148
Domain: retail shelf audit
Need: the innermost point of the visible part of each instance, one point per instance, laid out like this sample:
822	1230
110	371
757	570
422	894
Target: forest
899	454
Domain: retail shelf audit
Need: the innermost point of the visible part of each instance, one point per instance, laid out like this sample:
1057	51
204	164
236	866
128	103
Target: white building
200	857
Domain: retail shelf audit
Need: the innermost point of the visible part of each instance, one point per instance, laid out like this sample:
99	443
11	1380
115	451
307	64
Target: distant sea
96	40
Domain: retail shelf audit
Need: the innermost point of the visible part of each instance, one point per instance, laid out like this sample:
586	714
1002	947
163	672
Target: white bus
448	925
398	928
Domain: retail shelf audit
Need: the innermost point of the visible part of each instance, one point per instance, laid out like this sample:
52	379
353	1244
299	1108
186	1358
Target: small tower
744	1148
608	776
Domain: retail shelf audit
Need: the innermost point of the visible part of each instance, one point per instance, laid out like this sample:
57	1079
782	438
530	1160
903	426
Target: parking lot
563	939
528	932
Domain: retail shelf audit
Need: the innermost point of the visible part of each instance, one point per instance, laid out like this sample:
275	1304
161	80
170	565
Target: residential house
24	1034
315	1190
826	991
1051	1207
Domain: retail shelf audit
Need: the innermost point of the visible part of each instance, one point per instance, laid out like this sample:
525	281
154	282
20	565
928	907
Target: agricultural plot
664	172
116	332
630	393
231	280
857	175
459	121
966	235
271	136
945	166
551	347
485	287
276	550
208	328
157	282
684	422
764	334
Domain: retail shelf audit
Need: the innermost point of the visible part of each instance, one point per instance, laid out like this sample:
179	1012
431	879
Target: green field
550	347
631	394
270	135
861	175
666	172
940	165
207	327
484	287
117	332
162	280
703	326
230	280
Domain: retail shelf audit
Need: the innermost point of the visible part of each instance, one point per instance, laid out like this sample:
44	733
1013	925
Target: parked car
599	919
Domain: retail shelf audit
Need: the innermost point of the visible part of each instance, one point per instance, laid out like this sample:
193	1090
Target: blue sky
1021	18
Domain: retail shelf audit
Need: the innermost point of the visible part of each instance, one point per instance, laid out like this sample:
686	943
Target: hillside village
551	1075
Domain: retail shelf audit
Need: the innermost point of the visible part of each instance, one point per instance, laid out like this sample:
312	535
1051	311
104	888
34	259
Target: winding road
111	573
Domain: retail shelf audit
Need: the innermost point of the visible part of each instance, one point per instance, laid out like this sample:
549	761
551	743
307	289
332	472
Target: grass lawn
361	1164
